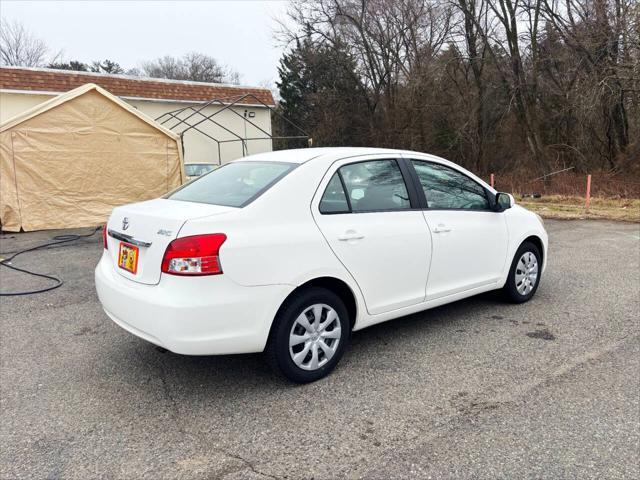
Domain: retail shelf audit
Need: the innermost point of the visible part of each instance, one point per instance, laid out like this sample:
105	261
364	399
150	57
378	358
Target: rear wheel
524	274
309	335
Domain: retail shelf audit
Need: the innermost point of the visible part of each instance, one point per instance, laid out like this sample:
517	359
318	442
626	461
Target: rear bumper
207	315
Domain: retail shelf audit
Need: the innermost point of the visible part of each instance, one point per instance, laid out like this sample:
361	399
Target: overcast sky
237	33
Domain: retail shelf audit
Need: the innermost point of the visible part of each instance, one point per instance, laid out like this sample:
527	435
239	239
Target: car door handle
441	229
350	235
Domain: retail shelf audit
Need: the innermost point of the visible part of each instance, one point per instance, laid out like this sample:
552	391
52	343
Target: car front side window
446	188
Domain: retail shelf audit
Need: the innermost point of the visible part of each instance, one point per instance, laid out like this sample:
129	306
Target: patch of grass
565	207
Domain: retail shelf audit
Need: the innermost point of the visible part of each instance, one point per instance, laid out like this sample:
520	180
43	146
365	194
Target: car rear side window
334	199
233	185
375	185
446	188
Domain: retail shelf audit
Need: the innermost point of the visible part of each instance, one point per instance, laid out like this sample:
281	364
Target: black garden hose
58	239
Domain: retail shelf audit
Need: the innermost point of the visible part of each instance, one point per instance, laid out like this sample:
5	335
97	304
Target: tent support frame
184	124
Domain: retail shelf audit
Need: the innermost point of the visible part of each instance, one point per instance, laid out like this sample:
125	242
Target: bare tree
492	84
19	47
600	35
192	66
393	43
475	19
164	67
519	74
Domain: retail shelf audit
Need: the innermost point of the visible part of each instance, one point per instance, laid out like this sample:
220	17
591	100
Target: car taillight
104	237
195	255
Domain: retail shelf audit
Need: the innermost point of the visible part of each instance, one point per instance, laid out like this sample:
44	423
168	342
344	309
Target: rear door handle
441	228
350	235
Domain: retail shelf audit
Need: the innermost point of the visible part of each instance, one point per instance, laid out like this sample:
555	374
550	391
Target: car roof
330	154
303	155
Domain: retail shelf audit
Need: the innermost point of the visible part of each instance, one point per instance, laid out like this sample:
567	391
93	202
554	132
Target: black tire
277	351
510	289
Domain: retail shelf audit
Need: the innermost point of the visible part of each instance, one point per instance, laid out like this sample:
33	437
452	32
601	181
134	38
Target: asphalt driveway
476	389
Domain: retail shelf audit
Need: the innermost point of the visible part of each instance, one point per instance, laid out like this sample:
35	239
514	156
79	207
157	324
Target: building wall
197	147
12	104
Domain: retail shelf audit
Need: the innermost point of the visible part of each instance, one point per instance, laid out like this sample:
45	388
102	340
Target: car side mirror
503	201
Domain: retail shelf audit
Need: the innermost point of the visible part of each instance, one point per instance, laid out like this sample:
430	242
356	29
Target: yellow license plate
128	257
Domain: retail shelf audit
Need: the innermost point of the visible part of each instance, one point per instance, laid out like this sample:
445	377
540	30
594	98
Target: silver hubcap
526	273
314	337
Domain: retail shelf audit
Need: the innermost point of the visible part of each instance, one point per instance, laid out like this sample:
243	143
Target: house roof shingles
46	80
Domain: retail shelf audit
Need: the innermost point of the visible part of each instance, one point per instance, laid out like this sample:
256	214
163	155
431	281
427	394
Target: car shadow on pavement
250	372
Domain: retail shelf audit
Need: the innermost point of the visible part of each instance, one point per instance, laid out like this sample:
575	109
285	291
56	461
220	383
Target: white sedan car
288	252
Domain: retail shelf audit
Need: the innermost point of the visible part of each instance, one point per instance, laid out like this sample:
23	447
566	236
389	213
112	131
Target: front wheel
524	274
309	335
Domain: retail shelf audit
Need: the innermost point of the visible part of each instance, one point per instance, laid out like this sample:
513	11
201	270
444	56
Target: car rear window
233	185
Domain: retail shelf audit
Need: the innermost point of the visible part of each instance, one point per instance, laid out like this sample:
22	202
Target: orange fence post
588	198
492	180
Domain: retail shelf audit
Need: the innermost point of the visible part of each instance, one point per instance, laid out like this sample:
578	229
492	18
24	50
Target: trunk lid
149	227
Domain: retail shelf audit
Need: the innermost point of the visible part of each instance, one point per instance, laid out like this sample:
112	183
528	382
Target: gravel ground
476	389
